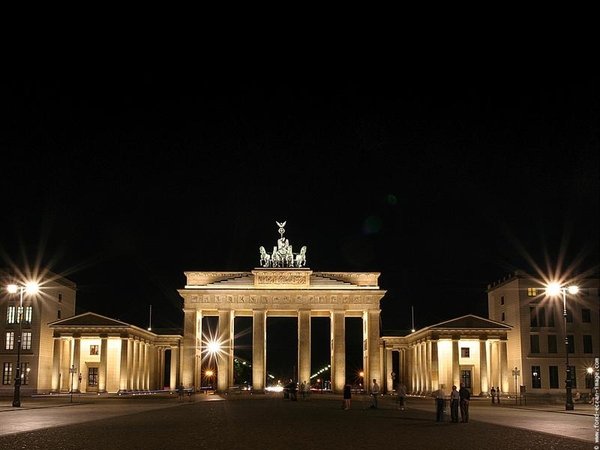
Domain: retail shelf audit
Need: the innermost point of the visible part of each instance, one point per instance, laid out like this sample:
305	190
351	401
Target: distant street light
555	289
29	288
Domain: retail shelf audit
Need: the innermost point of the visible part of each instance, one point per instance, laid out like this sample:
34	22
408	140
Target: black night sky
122	182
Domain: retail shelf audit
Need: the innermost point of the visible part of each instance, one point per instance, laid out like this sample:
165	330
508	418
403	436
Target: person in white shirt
375	393
440	402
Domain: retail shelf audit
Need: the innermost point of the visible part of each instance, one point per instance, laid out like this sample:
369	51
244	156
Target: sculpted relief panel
287	300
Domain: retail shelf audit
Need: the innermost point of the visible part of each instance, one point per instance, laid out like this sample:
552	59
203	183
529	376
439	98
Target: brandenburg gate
282	286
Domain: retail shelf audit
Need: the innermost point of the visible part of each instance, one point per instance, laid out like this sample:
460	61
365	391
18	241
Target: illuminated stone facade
536	343
285	292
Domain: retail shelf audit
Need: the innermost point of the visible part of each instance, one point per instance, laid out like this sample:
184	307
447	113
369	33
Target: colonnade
426	362
112	363
195	346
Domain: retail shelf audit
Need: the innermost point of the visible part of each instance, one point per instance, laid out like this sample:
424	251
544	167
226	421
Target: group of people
495	394
374	393
459	399
291	390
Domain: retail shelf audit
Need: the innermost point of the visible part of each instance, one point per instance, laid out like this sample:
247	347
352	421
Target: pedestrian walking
454	404
465	398
375	393
440	403
304	390
347	396
493	395
180	392
498	394
401	396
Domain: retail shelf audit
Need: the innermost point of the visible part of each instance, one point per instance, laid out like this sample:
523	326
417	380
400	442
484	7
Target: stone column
304	346
259	350
225	355
504	375
389	364
74	378
338	351
414	369
123	374
143	365
436	380
373	355
174	365
103	361
135	373
56	358
419	368
192	346
153	368
483	370
495	364
160	366
455	362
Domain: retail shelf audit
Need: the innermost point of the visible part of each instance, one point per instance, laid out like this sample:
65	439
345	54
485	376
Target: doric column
434	369
373	355
56	357
455	361
419	357
160	365
225	355
143	365
389	364
504	376
65	363
483	370
124	375
135	375
74	378
174	365
494	364
259	350
338	351
153	368
414	369
192	347
103	361
304	346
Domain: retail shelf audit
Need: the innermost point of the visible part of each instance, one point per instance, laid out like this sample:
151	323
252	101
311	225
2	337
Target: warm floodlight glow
30	287
213	347
573	289
553	289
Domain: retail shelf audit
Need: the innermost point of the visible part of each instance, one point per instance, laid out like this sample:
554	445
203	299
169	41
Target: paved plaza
267	421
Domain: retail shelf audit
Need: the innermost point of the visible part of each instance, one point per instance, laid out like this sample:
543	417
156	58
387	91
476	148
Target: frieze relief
290	299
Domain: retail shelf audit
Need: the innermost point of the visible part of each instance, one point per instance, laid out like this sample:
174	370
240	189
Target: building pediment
89	319
470	321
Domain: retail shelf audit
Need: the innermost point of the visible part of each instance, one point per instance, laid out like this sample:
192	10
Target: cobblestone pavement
269	422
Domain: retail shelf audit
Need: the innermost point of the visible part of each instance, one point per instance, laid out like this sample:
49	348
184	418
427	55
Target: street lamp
555	289
516	373
29	288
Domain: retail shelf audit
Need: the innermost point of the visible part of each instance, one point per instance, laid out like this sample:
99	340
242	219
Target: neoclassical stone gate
281	287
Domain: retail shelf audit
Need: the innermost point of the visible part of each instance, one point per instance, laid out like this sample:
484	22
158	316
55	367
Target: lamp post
364	387
516	372
30	288
556	289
